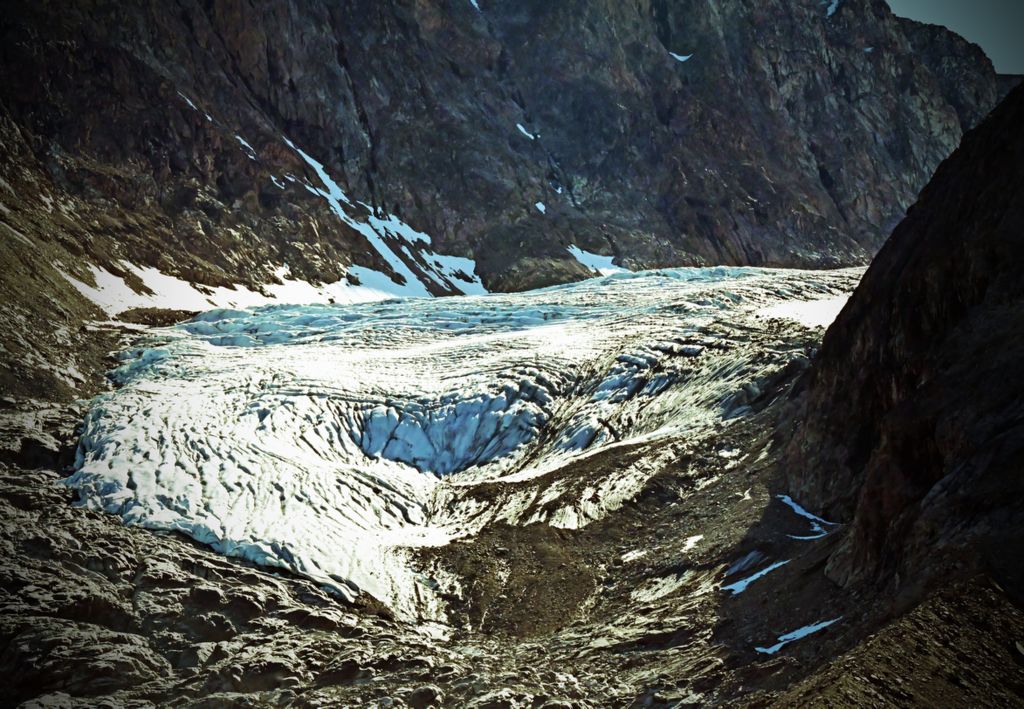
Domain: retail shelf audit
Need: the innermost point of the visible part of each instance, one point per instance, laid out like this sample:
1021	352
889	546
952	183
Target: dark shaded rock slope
1008	82
913	425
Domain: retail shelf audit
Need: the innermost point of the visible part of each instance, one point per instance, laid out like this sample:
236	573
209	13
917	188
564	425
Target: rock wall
961	68
792	135
1005	83
658	133
912	426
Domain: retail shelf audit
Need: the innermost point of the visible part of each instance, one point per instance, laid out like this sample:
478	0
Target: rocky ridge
176	137
628	611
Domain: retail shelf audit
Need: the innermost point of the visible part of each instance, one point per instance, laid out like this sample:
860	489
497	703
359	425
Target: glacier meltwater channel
327	440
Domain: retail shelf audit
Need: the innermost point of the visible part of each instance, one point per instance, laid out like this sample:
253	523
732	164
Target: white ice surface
329	440
681	57
810	313
528	134
596	262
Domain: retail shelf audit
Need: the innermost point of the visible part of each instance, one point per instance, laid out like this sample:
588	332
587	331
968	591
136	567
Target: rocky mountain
960	67
649	489
385	143
912	429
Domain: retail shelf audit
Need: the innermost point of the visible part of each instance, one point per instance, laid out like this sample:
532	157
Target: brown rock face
155	134
791	136
912	428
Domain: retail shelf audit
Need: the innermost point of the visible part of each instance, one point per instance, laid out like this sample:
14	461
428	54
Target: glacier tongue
330	440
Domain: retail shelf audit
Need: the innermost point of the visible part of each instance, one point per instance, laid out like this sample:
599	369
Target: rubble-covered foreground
330	440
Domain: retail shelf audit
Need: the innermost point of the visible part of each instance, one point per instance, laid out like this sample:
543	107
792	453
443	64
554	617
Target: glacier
333	441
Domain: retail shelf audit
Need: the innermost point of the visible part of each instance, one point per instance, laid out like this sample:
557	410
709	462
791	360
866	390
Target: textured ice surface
329	440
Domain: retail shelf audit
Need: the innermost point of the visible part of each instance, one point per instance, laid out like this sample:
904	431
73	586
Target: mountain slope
344	150
912	427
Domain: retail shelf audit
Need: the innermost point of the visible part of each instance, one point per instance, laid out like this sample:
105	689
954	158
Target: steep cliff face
913	424
369	142
961	68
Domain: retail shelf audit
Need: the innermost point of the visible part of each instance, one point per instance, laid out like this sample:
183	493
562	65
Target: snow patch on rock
810	313
331	439
113	294
522	129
